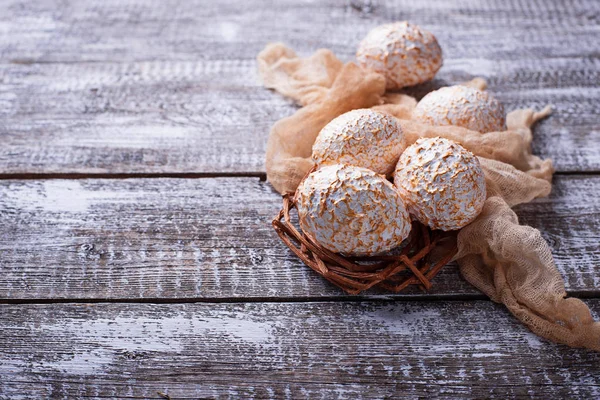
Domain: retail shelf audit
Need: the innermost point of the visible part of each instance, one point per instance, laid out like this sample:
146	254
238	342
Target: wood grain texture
171	87
211	239
285	351
136	30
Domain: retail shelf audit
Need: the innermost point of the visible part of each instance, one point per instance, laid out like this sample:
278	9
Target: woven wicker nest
417	262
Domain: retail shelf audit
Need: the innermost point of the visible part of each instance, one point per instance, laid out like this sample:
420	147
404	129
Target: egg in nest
352	210
461	106
403	52
441	182
364	138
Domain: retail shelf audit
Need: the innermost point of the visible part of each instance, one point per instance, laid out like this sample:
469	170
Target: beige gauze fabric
510	263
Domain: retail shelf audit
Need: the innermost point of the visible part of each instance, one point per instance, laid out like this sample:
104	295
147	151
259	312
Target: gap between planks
248	300
380	298
136	175
178	175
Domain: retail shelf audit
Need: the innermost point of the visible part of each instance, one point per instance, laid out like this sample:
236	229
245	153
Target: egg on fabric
441	182
363	138
403	52
352	210
463	106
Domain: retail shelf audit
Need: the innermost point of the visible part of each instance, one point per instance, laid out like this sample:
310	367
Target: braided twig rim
391	272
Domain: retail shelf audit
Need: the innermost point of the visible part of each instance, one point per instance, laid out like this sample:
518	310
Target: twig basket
412	265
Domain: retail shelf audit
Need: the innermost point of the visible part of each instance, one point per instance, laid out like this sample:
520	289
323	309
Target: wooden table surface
136	254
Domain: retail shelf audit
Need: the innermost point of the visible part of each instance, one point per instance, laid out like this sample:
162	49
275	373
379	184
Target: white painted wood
171	87
135	30
365	350
211	238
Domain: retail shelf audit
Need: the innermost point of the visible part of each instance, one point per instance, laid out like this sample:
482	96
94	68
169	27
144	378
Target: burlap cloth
510	263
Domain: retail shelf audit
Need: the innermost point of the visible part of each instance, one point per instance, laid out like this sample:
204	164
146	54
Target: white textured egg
462	106
352	210
403	52
441	182
364	138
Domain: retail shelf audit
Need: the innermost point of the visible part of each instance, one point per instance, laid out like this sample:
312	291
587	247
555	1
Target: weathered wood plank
113	30
285	350
145	117
211	238
192	117
127	87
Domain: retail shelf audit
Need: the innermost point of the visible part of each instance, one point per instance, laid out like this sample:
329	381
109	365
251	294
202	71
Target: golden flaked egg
462	106
441	182
403	52
352	210
363	138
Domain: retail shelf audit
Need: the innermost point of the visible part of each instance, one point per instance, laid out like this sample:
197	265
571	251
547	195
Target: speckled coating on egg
462	106
352	210
364	138
403	52
441	182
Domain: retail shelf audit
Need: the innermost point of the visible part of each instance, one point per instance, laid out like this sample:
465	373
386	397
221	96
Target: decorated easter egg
352	210
363	138
441	182
402	52
462	106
